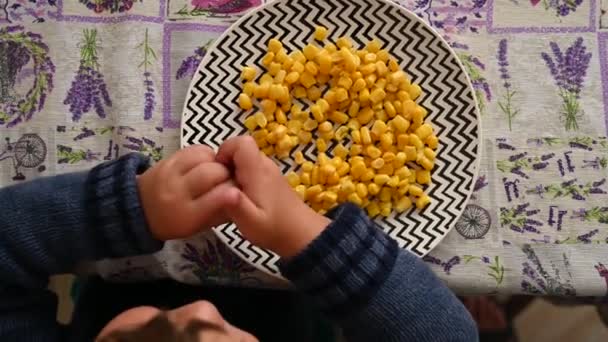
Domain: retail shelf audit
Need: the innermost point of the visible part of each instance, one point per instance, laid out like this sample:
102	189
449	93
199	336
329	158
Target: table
81	83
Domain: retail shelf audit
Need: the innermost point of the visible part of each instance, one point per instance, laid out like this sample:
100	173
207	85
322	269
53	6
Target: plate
211	113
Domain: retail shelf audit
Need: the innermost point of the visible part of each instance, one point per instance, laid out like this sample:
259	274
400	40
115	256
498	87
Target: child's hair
160	329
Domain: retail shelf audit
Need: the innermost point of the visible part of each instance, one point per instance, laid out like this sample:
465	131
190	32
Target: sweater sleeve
49	225
360	278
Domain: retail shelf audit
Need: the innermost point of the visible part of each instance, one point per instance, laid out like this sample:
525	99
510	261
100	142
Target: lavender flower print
69	155
216	264
474	68
577	191
520	219
446	266
496	269
88	88
33	11
190	64
537	280
145	146
506	104
112	6
18	49
569	71
561	8
149	99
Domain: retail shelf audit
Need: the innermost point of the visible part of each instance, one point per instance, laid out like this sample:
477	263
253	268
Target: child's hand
185	194
267	211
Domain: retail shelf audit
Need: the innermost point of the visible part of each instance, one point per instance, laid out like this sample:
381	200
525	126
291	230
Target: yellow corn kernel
415	190
344	42
403	140
307	79
364	96
357	170
385	194
299	92
280	116
429	153
294	126
361	190
373	209
268	58
287	63
415	91
385	209
311	67
345	82
424	131
356	149
377	95
368	175
298	67
321	145
400	124
314	175
327	169
347	186
427	164
293	179
301	191
403	173
365	116
298	56
388	157
251	123
268	106
355	199
373	189
313	93
298	157
280	131
400	159
379	128
353	110
292	77
310	51
377	163
339	117
341	132
366	137
325	63
325	127
393	182
423	177
317	113
340	151
274	92
268	150
383	55
416	142
329	197
373	46
373	152
410	152
380	180
422	202
313	191
248	73
403	204
387	169
343	169
280	76
245	102
249	88
432	142
260	119
306	178
386	140
274	68
320	33
274	45
368	69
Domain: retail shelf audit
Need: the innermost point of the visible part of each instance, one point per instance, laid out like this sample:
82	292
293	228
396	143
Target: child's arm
49	225
349	267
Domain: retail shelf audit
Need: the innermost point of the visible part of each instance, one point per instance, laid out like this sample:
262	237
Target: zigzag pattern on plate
212	116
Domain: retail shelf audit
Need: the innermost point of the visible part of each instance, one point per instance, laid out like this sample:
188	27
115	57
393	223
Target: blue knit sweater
353	272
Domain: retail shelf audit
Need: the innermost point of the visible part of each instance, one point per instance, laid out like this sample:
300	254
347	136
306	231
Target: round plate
211	113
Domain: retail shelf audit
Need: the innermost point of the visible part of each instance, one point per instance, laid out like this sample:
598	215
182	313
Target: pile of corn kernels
360	103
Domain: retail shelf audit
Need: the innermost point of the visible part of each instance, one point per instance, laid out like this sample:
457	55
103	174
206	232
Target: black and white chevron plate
211	114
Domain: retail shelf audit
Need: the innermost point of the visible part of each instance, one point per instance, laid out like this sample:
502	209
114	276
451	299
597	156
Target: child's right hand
268	212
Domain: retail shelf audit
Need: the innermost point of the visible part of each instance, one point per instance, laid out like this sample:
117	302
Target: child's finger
244	213
204	177
208	205
186	159
242	148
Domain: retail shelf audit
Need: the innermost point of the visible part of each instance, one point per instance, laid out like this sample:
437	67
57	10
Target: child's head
199	321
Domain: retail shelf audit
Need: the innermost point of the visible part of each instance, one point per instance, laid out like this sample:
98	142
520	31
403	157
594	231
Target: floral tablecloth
83	81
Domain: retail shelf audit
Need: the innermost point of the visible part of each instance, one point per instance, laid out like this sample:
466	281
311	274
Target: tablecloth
83	81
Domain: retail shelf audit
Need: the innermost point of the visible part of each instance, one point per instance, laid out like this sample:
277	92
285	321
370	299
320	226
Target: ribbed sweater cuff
114	210
343	267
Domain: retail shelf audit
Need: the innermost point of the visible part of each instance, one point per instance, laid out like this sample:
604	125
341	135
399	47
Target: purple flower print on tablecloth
190	63
34	11
112	6
216	263
149	95
495	268
461	17
561	8
537	280
519	163
88	89
568	71
446	266
506	104
520	219
20	48
212	8
570	188
145	146
475	68
70	155
592	214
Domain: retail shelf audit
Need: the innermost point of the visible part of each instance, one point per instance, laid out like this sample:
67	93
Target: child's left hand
185	194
